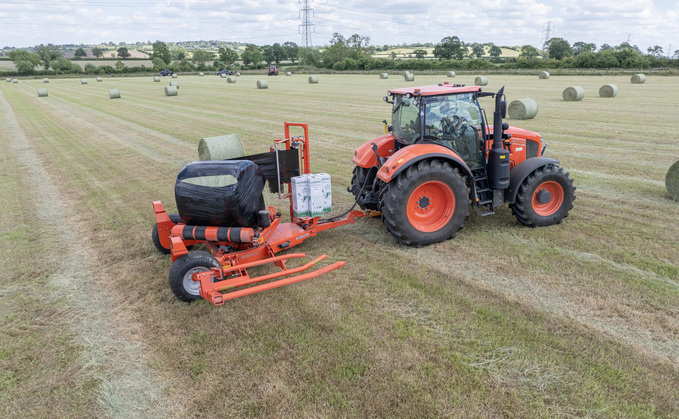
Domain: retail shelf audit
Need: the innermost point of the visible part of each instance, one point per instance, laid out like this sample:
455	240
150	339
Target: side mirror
503	108
406	102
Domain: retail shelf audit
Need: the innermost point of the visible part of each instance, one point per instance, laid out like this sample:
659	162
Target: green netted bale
409	77
174	84
156	79
261	84
171	91
525	108
220	148
288	73
481	81
608	90
313	79
543	75
174	76
231	79
573	93
83	81
672	181
384	76
451	74
99	79
114	94
638	78
42	92
45	80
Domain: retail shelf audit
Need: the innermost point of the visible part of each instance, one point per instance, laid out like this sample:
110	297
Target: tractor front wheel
182	270
426	204
545	197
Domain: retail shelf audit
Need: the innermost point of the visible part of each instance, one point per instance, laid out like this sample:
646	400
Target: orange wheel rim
431	206
547	198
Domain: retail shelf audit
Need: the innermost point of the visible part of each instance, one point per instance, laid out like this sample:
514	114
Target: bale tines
672	181
261	84
156	79
99	79
638	79
451	74
525	108
114	93
231	79
15	81
409	77
481	81
313	79
8	79
544	75
573	93
174	84
222	75
171	91
201	74
288	73
45	80
384	76
42	92
222	147
174	76
608	90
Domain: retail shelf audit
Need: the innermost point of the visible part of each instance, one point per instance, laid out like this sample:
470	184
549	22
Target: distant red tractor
440	155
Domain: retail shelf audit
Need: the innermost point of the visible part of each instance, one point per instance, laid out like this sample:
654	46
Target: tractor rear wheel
545	197
182	270
155	237
426	204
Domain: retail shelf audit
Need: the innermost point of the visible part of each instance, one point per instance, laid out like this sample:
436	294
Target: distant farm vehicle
166	72
273	70
226	72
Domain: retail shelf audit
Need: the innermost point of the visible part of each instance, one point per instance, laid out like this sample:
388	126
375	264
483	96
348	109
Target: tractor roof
435	90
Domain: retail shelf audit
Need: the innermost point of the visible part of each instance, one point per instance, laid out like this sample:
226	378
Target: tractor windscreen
405	120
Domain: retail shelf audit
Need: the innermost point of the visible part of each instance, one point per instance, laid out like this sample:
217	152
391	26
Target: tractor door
455	121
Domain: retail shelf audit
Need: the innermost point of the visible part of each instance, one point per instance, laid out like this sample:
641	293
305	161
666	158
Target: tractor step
483	212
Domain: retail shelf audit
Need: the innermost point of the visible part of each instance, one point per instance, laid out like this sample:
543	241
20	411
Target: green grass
577	319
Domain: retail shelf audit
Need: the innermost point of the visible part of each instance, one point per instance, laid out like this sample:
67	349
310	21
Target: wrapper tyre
545	197
155	237
182	270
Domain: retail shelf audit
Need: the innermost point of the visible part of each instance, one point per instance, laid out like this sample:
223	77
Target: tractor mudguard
412	154
364	156
521	172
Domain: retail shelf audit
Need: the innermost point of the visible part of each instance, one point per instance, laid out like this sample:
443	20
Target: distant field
406	52
578	319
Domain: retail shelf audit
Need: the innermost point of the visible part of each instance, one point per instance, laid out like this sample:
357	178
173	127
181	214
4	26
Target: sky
645	23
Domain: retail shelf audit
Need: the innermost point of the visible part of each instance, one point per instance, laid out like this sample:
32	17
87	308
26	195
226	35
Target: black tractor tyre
361	184
175	218
425	204
185	288
545	197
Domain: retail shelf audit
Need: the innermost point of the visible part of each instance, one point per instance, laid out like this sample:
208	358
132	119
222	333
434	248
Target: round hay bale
220	148
171	91
45	80
42	92
544	75
15	80
238	74
174	84
83	81
481	81
573	93
174	76
525	108
608	90
231	79
672	181
288	73
638	78
114	94
313	79
201	74
409	77
156	79
384	76
222	75
451	74
262	84
8	79
99	79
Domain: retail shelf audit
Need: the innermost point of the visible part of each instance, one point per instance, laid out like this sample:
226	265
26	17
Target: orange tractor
438	157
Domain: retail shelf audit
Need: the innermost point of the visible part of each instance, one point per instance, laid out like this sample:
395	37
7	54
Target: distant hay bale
573	93
45	80
201	74
525	108
114	94
409	77
543	75
262	84
171	91
222	147
99	79
222	75
638	78
672	181
238	74
608	90
481	81
156	79
174	76
174	84
231	79
288	73
15	80
83	81
8	79
384	76
42	92
451	74
313	79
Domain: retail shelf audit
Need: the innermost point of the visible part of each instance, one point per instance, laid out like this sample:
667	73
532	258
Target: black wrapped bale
220	193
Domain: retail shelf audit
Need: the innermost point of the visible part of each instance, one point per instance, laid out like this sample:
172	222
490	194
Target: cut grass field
577	319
